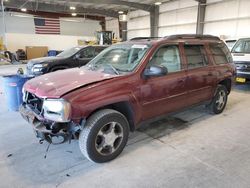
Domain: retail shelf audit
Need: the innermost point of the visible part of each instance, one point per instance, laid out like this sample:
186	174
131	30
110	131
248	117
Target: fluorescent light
23	9
72	8
120	12
74	14
158	3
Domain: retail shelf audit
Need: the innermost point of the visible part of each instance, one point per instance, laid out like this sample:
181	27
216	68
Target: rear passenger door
165	93
200	75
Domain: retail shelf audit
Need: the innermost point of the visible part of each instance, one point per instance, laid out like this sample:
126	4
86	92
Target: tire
219	100
104	136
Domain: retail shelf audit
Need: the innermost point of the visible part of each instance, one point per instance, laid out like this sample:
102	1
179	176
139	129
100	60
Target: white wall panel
173	30
24	23
222	10
113	25
179	4
1	26
19	24
138	24
80	28
230	18
178	17
138	33
17	41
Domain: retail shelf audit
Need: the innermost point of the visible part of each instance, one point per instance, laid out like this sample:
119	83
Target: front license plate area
241	80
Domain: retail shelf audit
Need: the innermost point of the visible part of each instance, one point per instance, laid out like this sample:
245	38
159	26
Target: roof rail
145	38
192	36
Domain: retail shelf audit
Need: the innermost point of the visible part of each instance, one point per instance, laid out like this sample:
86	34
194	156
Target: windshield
69	52
119	59
230	43
242	46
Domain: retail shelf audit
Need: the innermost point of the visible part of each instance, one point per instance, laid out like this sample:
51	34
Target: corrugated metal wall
228	18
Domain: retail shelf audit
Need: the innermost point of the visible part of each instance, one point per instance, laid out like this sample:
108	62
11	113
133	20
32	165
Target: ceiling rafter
46	7
141	6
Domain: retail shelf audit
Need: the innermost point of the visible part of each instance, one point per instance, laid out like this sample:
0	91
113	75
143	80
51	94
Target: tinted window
242	46
87	52
196	56
69	52
98	50
220	53
169	57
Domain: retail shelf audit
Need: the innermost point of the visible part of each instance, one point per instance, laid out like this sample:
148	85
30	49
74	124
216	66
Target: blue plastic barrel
52	53
13	85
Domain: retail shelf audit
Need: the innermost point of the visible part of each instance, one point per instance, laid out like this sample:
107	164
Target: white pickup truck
241	58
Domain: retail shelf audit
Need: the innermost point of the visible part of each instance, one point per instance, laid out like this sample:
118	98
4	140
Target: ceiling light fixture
74	14
23	9
120	12
158	3
72	8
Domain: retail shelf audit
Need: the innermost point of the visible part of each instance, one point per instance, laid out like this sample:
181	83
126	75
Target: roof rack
144	38
192	36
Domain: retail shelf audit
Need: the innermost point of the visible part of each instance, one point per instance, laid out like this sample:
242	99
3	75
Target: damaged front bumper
52	132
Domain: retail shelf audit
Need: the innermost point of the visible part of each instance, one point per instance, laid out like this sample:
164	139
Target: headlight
24	94
39	67
56	110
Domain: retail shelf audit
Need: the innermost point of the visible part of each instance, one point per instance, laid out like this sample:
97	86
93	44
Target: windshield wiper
114	69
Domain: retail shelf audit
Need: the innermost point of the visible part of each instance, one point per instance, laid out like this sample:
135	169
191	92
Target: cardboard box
36	51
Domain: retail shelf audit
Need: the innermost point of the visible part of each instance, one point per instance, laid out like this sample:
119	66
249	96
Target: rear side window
220	53
196	56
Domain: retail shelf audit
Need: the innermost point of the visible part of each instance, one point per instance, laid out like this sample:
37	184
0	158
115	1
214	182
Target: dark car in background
70	58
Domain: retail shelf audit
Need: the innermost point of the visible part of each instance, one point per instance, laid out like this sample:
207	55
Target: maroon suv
126	85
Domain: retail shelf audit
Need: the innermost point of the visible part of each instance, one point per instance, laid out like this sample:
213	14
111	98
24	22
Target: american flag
47	26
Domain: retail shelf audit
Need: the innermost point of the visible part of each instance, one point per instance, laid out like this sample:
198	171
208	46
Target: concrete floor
191	149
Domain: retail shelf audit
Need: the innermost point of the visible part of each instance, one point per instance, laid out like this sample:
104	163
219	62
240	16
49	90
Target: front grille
34	102
241	66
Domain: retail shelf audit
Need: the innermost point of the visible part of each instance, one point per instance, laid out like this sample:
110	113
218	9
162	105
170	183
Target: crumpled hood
56	84
43	60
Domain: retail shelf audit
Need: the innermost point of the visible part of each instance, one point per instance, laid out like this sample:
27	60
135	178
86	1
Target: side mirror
155	71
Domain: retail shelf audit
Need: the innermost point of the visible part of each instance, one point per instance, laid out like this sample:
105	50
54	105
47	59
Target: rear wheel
219	100
104	136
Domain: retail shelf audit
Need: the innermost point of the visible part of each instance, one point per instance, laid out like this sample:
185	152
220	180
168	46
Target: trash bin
52	53
13	85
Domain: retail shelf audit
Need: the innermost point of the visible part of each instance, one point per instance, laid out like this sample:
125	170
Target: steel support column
3	23
124	30
154	21
201	16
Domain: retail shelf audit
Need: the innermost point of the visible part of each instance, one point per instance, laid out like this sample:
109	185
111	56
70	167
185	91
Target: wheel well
125	109
227	84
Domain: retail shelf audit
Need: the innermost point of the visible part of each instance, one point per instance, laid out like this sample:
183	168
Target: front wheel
104	136
219	100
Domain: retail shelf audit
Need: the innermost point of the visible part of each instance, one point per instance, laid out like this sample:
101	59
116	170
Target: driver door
85	55
168	93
